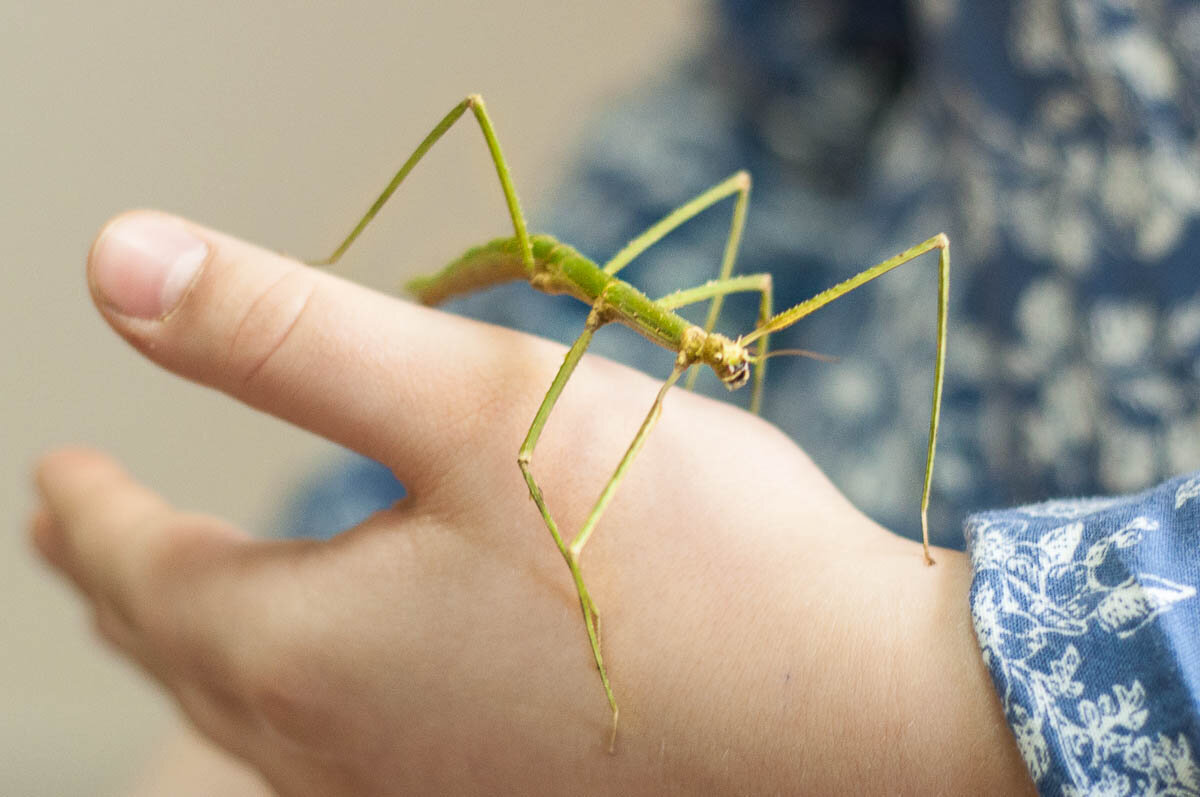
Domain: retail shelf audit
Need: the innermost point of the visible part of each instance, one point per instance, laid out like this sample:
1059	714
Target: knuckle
266	325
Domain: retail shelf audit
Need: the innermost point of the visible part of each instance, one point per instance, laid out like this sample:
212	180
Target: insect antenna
815	355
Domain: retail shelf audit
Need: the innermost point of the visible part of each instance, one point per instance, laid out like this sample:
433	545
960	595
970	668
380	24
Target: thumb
397	382
182	595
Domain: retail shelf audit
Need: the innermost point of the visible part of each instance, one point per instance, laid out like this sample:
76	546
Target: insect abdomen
480	267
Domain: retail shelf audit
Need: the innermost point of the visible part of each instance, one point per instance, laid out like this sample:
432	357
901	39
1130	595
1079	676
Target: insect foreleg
793	314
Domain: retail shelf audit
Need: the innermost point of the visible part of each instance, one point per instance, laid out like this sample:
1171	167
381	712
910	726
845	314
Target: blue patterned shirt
1087	615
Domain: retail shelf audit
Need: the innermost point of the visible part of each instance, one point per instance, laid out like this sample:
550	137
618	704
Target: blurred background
1055	142
278	123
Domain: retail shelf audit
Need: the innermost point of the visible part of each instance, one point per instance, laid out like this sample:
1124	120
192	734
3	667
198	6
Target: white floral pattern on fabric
1087	615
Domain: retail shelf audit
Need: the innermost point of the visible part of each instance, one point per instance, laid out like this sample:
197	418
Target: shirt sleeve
1087	616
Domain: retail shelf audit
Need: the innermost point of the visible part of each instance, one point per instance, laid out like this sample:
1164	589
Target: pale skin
767	636
553	267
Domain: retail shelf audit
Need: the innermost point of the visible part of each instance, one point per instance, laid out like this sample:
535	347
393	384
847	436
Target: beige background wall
277	122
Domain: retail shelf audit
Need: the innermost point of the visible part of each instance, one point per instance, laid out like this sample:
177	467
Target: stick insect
554	267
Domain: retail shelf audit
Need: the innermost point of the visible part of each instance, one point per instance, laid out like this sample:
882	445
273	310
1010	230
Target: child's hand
762	636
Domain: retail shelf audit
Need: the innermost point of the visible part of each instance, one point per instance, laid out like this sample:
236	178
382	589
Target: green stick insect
554	267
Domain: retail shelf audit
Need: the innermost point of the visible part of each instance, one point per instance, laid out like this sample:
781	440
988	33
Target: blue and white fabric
1087	615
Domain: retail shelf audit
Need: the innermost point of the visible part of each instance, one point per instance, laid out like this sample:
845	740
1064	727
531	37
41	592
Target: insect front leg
941	244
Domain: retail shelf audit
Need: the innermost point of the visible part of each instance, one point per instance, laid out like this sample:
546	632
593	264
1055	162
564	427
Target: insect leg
738	183
591	617
635	446
475	104
793	314
718	289
576	547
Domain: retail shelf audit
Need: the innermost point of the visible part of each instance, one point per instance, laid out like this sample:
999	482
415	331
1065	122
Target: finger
391	380
50	539
167	589
130	552
108	533
95	521
45	535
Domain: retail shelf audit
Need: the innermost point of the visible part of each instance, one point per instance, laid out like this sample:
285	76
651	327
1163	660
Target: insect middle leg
715	289
738	183
571	552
